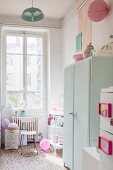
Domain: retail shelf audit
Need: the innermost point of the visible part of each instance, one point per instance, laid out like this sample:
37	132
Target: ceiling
51	8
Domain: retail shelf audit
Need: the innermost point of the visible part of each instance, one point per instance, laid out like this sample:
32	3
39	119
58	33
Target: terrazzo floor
13	160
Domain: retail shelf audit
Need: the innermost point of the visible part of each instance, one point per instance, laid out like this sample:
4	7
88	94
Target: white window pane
24	85
28	60
14	44
9	79
14	74
34	100
10	60
28	79
34	82
14	99
34	46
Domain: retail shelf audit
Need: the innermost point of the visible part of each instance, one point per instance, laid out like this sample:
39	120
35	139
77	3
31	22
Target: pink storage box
105	109
105	145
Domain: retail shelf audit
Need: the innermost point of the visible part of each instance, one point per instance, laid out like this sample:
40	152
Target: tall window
25	71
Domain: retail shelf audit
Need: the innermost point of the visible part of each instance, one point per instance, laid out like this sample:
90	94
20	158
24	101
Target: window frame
26	34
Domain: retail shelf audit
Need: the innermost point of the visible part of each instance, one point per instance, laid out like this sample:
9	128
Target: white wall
69	32
56	66
100	34
101	30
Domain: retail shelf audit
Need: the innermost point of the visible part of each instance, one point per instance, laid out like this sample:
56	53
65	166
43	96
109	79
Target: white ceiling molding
17	21
80	4
46	22
51	8
74	10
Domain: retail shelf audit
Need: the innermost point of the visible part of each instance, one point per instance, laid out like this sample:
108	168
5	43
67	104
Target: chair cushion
23	132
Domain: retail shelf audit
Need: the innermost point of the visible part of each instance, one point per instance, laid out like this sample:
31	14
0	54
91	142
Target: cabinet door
68	117
81	108
102	77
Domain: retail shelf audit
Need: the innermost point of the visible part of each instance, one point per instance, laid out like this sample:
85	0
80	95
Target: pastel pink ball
44	144
5	123
98	10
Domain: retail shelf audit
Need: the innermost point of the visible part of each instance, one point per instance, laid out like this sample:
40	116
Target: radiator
29	126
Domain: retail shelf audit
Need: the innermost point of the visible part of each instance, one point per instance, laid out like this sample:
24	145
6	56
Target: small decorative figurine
22	113
89	51
49	119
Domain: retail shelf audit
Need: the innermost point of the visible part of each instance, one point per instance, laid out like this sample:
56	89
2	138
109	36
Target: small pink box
105	109
105	145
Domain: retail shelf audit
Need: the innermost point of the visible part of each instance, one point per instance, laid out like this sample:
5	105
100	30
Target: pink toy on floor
44	144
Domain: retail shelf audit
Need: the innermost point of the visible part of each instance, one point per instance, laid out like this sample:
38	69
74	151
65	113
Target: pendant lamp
32	14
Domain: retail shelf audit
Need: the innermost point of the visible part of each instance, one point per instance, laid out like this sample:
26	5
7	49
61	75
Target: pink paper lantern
44	144
5	123
98	10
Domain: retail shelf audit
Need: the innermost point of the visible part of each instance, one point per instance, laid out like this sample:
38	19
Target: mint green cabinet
82	83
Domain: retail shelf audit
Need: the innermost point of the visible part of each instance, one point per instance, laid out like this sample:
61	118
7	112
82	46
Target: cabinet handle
71	113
